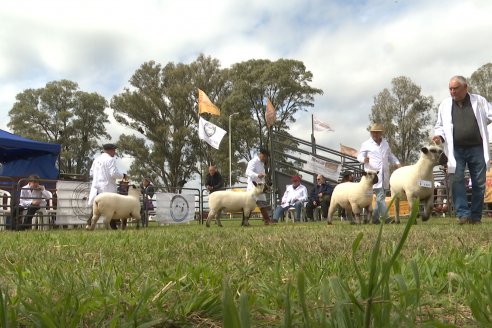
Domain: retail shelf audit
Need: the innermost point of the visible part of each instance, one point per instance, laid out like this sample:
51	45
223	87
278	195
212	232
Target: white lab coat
255	167
380	158
104	175
444	126
300	194
27	195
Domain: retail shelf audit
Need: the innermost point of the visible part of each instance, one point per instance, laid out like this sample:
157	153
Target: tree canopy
61	113
405	115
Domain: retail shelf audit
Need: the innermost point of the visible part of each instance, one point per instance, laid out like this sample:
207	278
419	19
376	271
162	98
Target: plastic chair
5	210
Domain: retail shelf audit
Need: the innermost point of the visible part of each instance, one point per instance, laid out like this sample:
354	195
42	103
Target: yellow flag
205	105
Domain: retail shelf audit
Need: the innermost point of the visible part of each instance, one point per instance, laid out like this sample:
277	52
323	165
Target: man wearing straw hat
376	155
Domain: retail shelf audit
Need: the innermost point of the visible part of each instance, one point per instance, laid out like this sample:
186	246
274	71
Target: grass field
286	275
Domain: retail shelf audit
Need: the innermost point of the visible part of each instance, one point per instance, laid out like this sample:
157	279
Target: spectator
376	155
213	180
320	196
295	195
104	174
32	198
461	127
347	176
255	171
148	191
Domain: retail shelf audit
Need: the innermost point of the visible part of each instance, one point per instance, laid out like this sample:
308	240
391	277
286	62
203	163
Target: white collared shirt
380	157
292	195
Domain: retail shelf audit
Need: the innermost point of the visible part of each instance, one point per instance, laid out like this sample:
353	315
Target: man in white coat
461	128
104	174
376	155
294	196
255	171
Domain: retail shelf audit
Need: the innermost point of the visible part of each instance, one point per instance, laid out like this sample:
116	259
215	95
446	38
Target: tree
60	113
162	106
285	82
405	116
481	81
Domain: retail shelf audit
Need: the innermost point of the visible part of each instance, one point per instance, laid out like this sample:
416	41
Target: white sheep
354	196
416	182
113	206
232	201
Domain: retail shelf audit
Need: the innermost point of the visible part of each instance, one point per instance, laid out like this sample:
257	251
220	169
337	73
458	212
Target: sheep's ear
424	150
254	182
364	173
134	187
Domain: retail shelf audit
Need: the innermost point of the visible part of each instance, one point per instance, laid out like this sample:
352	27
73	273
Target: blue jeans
279	211
473	158
380	207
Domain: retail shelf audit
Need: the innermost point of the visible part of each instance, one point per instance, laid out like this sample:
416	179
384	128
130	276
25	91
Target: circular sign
179	208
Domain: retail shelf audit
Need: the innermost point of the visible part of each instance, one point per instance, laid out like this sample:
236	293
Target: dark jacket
215	181
325	189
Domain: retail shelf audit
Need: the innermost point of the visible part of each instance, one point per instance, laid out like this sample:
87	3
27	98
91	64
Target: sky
353	48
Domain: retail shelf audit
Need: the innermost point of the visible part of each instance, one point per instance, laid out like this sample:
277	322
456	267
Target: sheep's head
134	190
259	188
371	176
435	154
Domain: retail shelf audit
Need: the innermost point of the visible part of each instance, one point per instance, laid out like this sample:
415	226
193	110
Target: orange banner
269	114
205	105
488	187
348	151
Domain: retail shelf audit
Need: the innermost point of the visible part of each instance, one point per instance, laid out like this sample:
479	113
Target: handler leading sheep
416	182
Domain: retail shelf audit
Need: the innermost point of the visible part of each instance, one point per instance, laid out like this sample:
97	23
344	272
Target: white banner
174	208
328	169
210	133
72	205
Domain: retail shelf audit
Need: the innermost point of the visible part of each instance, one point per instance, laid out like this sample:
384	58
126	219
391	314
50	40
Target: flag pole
313	142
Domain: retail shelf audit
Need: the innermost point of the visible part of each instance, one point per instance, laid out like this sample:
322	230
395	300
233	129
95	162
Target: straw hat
376	127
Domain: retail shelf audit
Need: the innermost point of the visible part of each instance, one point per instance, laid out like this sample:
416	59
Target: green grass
434	274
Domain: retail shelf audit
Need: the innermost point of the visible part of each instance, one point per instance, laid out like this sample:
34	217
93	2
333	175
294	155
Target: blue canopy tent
21	157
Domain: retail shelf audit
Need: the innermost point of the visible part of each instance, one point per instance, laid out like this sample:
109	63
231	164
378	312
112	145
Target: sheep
416	182
113	206
233	202
354	196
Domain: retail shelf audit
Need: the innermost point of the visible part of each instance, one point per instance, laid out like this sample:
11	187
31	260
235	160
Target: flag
205	105
269	114
348	151
210	133
321	126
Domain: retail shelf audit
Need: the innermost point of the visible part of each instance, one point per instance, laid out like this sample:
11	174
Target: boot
266	217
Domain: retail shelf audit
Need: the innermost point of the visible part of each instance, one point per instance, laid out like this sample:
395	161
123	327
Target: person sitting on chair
33	197
320	196
295	195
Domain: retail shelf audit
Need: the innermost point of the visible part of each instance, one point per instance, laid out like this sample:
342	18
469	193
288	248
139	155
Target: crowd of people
466	145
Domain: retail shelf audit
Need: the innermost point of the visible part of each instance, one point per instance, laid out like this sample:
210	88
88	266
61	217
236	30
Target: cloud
353	48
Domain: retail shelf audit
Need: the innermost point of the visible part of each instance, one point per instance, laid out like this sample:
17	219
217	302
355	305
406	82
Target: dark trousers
310	209
30	211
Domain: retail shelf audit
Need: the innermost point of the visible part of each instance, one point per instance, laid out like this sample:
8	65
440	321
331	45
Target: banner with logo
210	133
329	170
71	202
174	208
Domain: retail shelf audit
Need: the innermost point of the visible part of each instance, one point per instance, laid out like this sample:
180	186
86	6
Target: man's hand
209	188
397	166
320	195
261	175
366	159
36	202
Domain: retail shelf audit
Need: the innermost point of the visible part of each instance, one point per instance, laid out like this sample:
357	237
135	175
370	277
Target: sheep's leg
397	209
246	215
217	218
428	208
331	210
211	215
356	214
